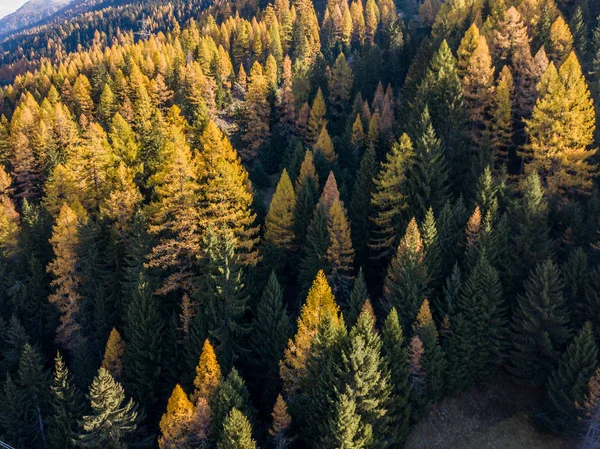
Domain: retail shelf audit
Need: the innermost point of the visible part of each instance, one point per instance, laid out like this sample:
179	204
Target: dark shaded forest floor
495	416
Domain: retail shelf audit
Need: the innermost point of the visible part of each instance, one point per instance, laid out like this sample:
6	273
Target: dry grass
494	417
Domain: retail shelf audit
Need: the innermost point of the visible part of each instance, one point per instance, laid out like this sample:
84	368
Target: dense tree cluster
296	224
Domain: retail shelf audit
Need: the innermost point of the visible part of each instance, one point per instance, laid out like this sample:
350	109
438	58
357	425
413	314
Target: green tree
540	326
358	296
231	393
346	427
567	385
113	418
279	222
237	432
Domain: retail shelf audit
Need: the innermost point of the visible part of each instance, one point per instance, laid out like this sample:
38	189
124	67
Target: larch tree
208	374
561	41
175	422
9	217
113	354
280	431
279	222
66	279
316	120
501	126
257	112
320	305
561	131
340	253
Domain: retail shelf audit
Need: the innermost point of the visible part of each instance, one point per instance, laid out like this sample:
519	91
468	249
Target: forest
297	224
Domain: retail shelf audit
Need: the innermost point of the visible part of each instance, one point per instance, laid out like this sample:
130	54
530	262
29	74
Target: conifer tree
567	385
431	247
66	407
280	431
237	432
270	333
432	362
257	112
175	422
279	222
396	354
112	417
561	130
208	373
358	296
316	121
320	305
340	253
340	86
501	128
230	393
540	326
346	427
388	200
561	41
405	284
144	331
113	354
307	185
428	178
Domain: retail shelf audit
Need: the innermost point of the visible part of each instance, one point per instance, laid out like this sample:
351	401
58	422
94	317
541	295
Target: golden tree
208	373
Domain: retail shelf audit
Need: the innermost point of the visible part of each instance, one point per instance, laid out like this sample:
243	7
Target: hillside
298	224
29	14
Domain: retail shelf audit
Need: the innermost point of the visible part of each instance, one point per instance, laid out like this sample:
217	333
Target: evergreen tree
279	222
346	428
501	127
112	419
567	385
405	284
66	407
340	253
307	185
270	333
237	432
388	200
540	326
358	296
231	393
396	354
144	331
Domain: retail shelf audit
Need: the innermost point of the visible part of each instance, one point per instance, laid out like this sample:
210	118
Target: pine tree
340	253
428	178
388	200
540	326
432	362
113	354
65	407
367	374
405	284
208	374
567	385
231	393
307	185
320	305
358	296
346	428
561	130
279	222
360	204
175	422
270	333
237	432
144	332
501	128
431	248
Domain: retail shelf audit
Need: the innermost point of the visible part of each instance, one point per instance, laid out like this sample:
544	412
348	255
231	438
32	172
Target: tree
226	194
568	384
501	127
257	112
270	333
432	362
66	282
540	326
561	131
366	373
561	40
281	428
65	407
112	419
346	428
9	218
396	354
279	222
428	178
320	305
340	253
144	332
340	86
113	354
237	432
316	120
175	422
307	185
388	200
405	285
208	373
358	296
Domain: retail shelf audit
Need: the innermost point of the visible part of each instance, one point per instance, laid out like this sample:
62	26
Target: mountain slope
30	13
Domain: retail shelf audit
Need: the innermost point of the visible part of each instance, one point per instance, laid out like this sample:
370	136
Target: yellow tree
66	281
208	373
561	130
319	306
279	222
113	354
9	217
175	422
226	193
501	128
561	41
257	110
